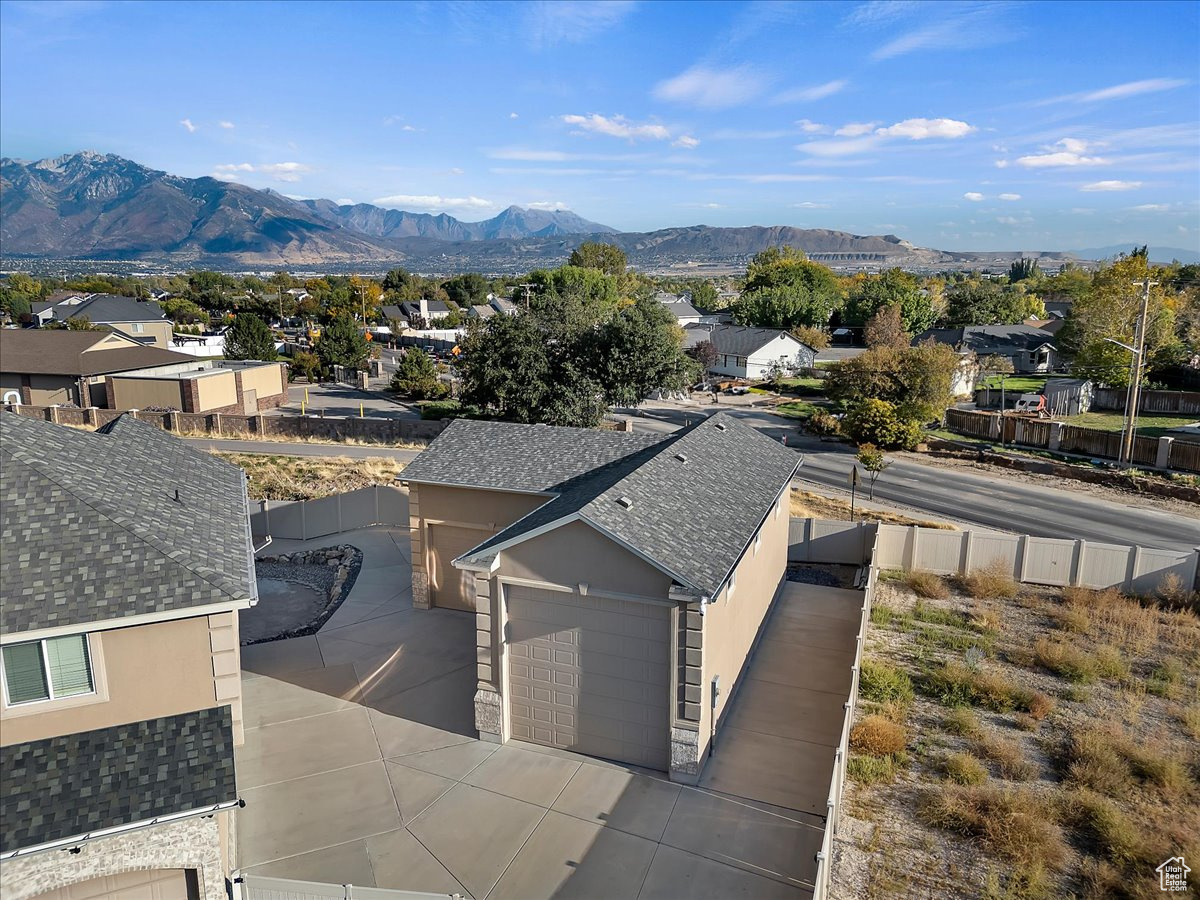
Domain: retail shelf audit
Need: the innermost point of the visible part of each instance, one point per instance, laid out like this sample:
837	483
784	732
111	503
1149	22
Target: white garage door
590	674
159	884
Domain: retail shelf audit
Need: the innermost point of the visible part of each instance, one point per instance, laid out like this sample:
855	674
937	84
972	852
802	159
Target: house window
138	328
47	670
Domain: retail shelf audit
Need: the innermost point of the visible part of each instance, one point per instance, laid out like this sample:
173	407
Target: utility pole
1135	375
527	287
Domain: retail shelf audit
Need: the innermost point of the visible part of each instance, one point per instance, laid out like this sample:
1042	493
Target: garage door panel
589	674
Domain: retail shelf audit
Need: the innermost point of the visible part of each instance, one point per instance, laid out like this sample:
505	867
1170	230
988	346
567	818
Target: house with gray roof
140	321
127	558
750	353
1031	349
618	579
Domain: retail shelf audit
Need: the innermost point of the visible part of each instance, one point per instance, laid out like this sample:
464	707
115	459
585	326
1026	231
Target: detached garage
618	580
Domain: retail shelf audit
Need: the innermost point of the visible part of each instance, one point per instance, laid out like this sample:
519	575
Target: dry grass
310	477
961	721
927	585
1065	660
880	682
1013	823
993	582
297	439
1007	755
963	768
878	736
807	505
1110	761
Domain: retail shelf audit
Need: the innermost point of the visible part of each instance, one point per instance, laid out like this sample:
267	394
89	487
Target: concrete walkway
361	766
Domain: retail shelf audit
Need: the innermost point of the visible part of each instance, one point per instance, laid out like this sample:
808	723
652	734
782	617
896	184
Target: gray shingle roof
989	338
65	787
530	459
106	308
92	530
692	517
734	340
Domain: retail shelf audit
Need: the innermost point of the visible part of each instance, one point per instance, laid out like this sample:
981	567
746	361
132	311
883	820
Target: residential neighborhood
682	451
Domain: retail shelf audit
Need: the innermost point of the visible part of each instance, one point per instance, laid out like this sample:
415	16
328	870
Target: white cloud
187	123
922	129
1010	197
549	22
854	129
547	205
973	196
455	170
345	201
409	128
226	125
880	12
686	141
513	116
1002	164
1152	207
808	204
1065	153
810	94
431	201
618	126
811	127
1014	222
283	171
847	147
1120	91
1112	185
710	88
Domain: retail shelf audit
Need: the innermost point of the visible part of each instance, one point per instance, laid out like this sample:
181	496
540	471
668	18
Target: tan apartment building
127	558
203	386
618	580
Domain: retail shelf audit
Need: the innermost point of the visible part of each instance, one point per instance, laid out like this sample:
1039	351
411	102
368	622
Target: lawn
796	409
1021	741
1016	384
1147	425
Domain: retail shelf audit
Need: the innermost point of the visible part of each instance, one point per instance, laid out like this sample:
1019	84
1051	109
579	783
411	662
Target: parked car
739	389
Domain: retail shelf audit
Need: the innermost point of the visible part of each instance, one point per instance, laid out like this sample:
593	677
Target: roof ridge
126	523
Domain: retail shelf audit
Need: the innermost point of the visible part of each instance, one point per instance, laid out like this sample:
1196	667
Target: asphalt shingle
65	787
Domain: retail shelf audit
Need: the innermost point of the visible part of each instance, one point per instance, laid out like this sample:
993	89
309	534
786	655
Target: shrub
881	613
1008	757
1015	823
961	720
871	769
1065	661
1190	719
873	421
963	768
878	736
954	684
928	585
1110	663
1090	760
1105	825
884	683
824	424
1173	595
1166	678
1071	618
1038	706
993	582
441	409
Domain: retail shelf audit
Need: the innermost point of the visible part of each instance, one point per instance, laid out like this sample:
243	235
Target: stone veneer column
687	675
420	576
489	702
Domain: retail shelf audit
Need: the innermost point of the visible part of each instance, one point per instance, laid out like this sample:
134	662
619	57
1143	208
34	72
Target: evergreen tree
249	338
342	344
416	377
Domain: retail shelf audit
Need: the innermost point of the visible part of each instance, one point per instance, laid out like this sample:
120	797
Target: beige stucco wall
147	671
46	390
138	393
578	553
266	380
731	623
160	331
216	391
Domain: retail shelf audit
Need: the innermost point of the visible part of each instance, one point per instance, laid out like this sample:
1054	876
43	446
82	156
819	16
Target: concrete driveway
361	766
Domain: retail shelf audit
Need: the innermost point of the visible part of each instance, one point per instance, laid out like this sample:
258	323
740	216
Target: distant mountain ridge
91	206
1157	254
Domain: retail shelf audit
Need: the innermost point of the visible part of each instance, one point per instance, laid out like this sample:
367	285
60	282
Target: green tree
304	363
342	344
817	338
989	303
416	377
1110	311
1024	270
877	422
636	352
873	461
249	338
784	288
569	298
467	289
184	311
886	329
608	258
894	287
916	381
80	323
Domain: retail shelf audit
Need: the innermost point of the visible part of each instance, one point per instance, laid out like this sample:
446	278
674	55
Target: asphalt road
1002	504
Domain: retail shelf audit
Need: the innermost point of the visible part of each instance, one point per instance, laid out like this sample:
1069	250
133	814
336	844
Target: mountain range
91	206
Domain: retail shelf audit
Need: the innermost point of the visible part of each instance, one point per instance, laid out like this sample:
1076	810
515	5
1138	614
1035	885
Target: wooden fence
1181	402
1059	437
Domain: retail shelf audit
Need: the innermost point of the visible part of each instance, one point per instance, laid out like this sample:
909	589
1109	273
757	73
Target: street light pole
1136	366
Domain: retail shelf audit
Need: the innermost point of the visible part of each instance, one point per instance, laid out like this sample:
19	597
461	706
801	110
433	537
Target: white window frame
138	328
98	693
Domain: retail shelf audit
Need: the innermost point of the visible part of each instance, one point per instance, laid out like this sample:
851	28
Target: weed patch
884	683
963	768
993	582
1014	823
878	736
927	585
865	769
1065	660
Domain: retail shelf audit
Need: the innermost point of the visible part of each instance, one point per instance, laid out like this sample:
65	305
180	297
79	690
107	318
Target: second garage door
590	674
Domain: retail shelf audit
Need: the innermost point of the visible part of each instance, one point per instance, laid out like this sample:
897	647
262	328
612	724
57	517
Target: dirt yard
1016	741
310	477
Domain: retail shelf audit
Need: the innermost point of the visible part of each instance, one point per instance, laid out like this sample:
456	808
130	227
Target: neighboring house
481	311
43	367
298	294
1030	349
393	313
128	556
202	386
429	310
744	352
618	580
501	305
143	322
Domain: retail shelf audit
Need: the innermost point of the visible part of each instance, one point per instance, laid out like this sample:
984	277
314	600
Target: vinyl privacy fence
301	520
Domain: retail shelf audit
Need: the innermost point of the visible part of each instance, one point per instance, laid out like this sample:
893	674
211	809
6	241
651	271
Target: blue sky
999	125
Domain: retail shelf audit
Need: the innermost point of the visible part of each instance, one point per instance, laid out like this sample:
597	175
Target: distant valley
91	207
